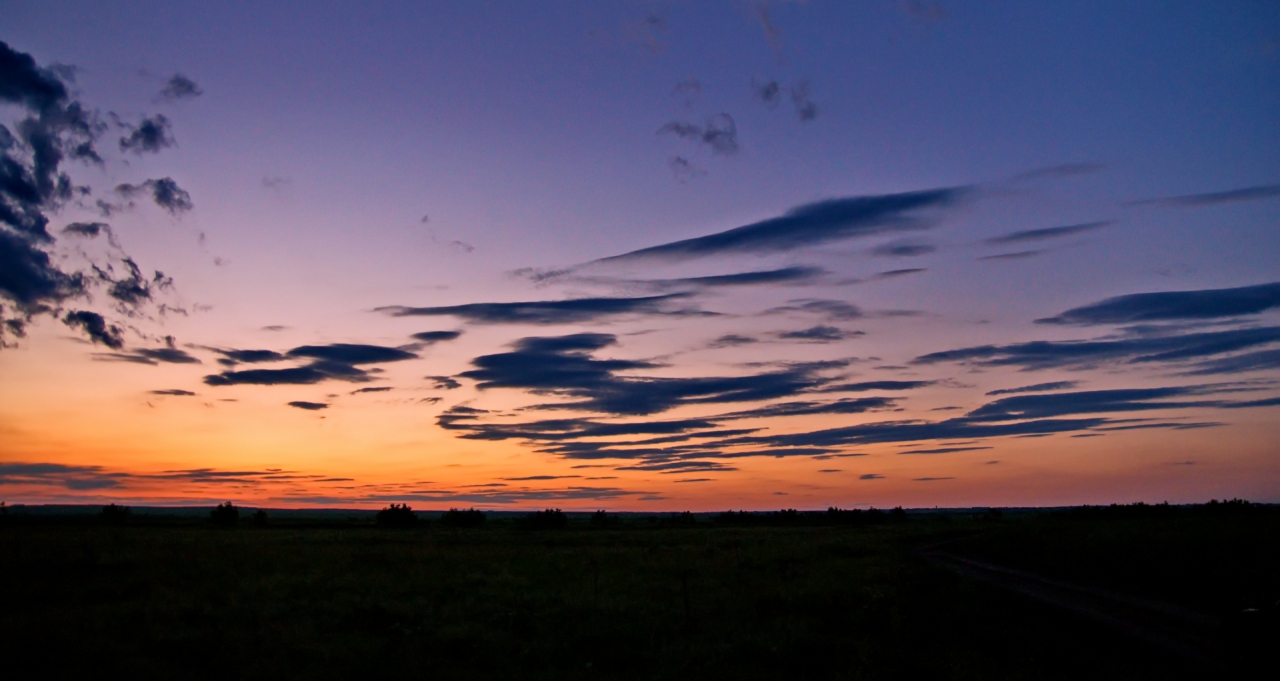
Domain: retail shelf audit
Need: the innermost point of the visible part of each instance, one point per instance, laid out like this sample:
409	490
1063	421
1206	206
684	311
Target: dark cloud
336	361
1060	171
431	337
1087	353
32	283
1262	360
165	192
806	110
349	353
769	92
683	169
719	133
88	230
819	334
898	273
231	357
1174	306
52	128
794	275
134	290
932	479
870	476
831	309
304	375
785	275
564	366
78	478
1046	233
1257	193
1087	402
732	339
1016	255
864	386
151	135
174	392
678	467
180	87
916	431
362	391
943	450
444	382
809	225
1037	388
540	477
860	405
309	406
903	250
96	327
552	311
151	356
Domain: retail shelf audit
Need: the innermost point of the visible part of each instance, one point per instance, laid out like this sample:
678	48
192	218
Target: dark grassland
769	599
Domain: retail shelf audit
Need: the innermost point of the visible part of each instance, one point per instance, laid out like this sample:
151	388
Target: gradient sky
640	255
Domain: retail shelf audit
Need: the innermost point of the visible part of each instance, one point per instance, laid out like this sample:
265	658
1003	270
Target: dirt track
1187	633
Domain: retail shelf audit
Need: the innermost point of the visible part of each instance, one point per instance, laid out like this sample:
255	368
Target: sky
640	255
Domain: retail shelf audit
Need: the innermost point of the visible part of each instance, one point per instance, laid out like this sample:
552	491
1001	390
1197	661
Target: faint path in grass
1188	633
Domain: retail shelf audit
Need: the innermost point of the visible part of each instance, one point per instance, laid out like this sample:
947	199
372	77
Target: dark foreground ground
781	597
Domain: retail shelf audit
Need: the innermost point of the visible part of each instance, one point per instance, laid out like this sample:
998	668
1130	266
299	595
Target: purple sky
754	239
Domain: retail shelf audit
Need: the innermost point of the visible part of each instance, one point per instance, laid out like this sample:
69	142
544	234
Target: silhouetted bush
113	514
260	518
1138	510
397	515
550	519
897	515
458	518
602	518
1232	506
225	515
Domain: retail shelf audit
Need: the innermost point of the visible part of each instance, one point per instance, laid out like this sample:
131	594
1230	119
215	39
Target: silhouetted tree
549	519
225	514
897	515
397	515
260	518
114	514
458	518
603	518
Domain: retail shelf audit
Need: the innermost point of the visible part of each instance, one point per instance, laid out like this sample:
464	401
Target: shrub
397	515
114	514
225	514
458	518
550	519
260	518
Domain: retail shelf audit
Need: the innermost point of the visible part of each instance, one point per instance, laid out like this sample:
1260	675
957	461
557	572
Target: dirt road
1192	635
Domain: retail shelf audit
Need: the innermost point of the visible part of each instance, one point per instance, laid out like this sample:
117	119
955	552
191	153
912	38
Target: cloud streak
1173	306
570	311
809	225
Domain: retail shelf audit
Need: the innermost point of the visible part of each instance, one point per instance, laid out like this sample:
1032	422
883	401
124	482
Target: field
785	597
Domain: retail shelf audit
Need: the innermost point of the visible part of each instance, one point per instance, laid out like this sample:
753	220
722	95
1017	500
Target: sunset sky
640	255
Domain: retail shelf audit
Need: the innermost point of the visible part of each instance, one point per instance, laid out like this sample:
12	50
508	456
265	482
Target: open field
766	597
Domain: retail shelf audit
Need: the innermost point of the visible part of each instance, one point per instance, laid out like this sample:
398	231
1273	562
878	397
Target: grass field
181	598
